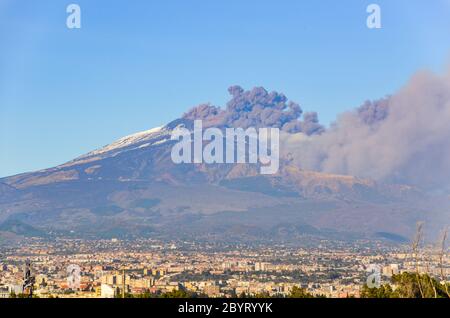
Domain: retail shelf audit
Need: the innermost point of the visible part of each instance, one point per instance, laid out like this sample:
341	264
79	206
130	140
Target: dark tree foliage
407	285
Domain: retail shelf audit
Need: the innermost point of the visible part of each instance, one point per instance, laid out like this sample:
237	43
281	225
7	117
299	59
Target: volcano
131	188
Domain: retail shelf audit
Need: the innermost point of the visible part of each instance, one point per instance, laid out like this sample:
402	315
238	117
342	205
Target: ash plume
402	138
258	108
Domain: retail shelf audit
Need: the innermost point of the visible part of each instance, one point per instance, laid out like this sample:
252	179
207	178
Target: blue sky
138	64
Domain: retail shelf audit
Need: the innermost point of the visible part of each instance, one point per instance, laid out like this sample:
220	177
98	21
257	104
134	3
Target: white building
107	291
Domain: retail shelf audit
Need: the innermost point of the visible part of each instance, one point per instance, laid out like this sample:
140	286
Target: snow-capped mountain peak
125	143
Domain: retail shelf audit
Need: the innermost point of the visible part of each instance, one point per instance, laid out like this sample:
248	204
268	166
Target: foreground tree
408	285
298	292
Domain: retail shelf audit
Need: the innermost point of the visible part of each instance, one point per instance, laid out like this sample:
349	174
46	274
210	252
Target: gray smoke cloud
258	108
402	138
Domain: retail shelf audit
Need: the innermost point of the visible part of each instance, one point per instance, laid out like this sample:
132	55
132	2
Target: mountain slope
132	188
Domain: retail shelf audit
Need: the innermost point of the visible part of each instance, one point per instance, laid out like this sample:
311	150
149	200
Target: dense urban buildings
149	268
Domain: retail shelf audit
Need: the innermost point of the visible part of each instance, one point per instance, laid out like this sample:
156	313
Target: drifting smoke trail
404	138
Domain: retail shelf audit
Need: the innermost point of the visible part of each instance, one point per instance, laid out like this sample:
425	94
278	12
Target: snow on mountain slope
125	143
